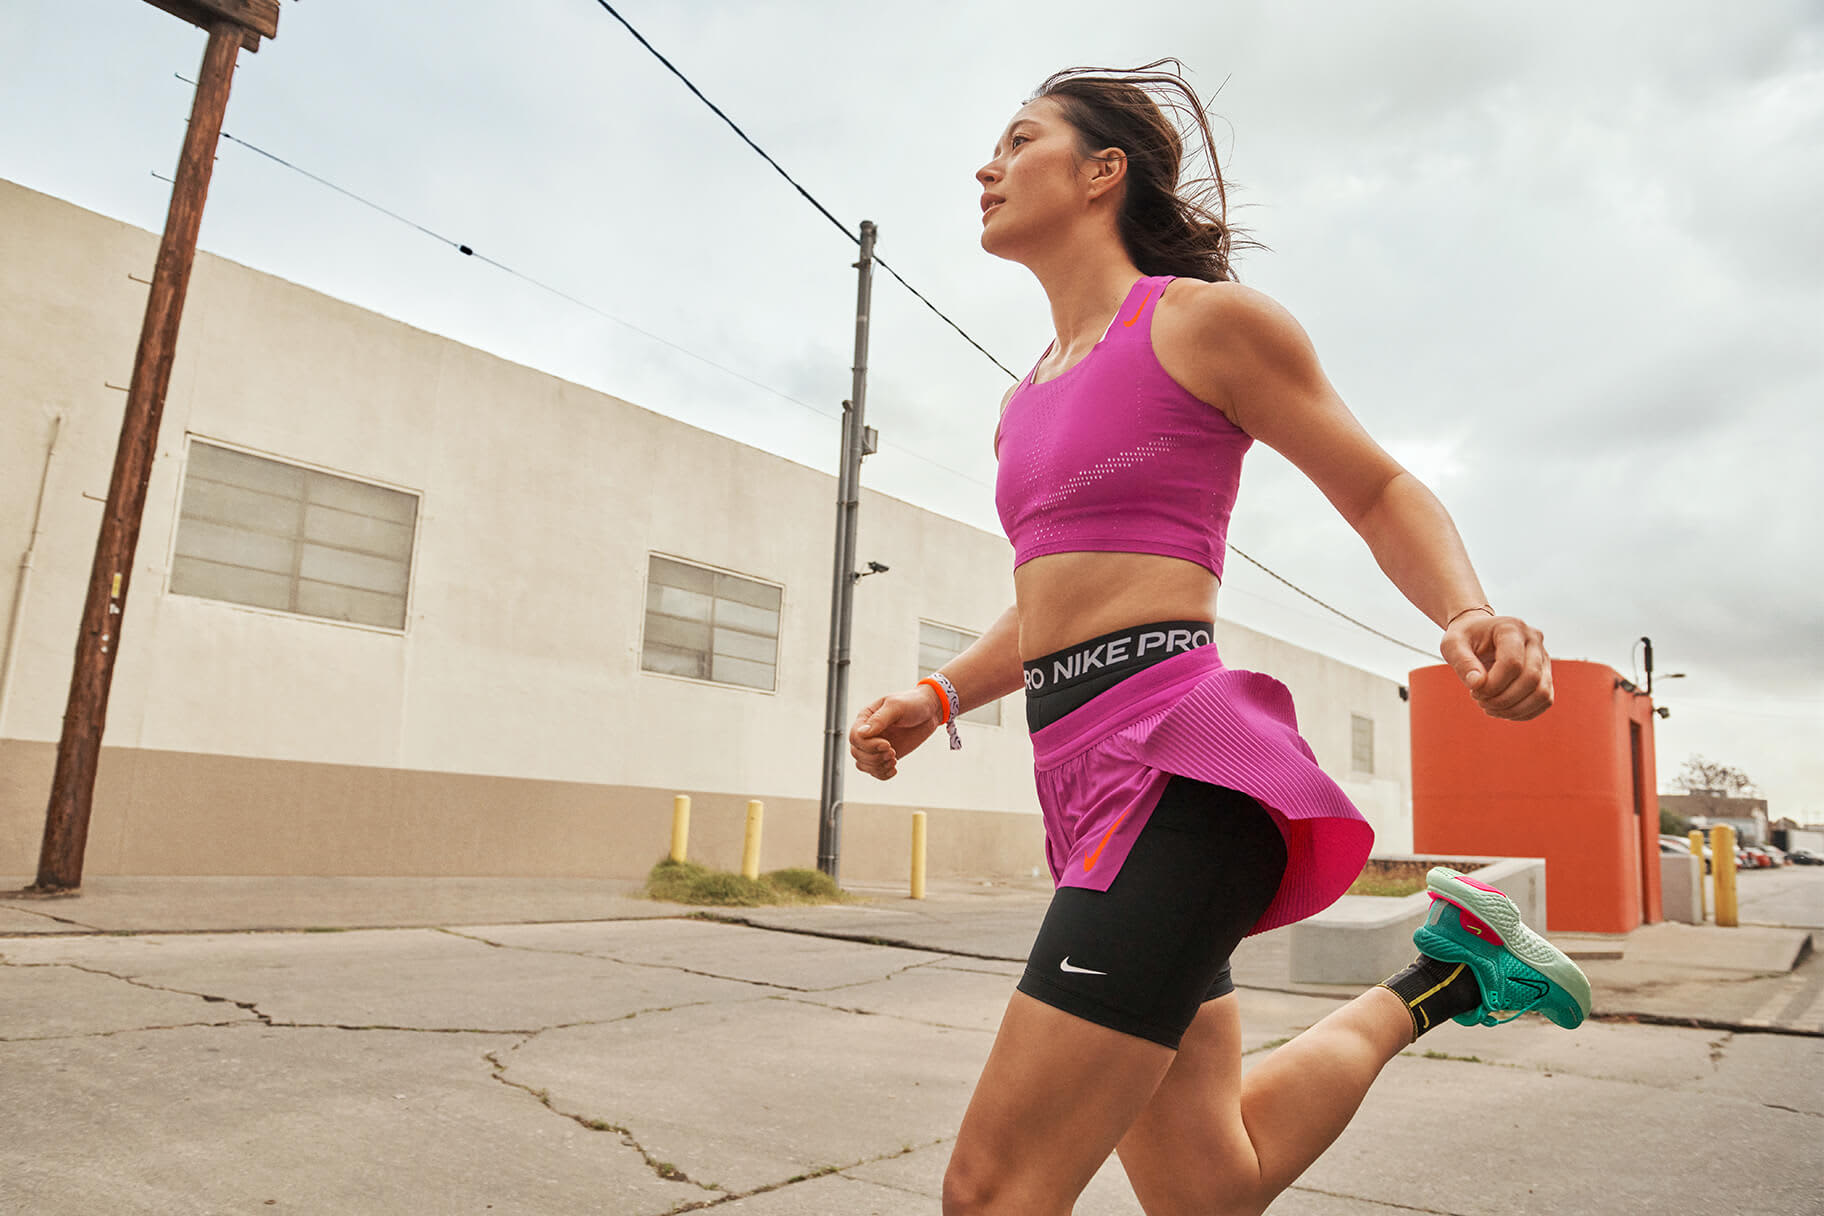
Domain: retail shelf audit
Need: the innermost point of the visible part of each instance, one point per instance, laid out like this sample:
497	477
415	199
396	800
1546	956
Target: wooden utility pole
232	24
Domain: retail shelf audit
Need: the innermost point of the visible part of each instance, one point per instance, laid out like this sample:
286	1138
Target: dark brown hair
1168	226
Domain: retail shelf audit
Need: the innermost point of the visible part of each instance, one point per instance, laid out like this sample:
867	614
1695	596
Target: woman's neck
1085	292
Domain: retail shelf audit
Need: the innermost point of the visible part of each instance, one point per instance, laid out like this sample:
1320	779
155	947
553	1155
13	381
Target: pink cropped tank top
1116	456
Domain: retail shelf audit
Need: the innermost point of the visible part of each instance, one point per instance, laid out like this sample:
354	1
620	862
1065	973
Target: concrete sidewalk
537	1047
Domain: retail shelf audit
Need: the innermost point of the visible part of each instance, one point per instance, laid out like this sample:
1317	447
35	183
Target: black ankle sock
1434	991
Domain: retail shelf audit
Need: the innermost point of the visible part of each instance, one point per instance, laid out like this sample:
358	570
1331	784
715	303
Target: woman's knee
978	1182
969	1184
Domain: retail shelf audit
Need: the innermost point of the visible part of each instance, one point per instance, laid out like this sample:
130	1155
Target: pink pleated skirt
1102	767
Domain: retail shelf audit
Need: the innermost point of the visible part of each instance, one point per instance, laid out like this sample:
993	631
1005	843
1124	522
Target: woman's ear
1109	170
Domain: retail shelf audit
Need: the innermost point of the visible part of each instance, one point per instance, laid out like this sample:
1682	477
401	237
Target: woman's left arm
1252	360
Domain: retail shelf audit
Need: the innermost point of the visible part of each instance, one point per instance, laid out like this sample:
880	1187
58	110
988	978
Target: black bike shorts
1144	955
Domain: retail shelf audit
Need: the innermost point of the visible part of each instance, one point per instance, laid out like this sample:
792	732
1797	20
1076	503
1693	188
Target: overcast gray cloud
1563	260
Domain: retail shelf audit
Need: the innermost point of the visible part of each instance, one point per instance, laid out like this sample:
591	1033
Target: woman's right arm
893	725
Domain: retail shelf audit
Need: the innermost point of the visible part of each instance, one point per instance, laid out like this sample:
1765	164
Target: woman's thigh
1057	1094
1188	1150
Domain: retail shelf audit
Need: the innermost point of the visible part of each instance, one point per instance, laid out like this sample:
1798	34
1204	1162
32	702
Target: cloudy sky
1563	259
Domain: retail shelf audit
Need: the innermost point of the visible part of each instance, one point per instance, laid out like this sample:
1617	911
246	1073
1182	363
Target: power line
843	228
808	196
1338	611
468	251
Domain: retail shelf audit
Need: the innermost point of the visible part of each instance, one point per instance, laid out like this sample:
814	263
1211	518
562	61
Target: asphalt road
1790	895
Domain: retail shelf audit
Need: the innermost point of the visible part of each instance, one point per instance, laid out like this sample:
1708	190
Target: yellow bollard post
1703	900
750	849
1722	848
680	826
918	854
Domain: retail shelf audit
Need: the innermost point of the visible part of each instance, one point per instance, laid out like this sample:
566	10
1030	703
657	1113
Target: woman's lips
992	208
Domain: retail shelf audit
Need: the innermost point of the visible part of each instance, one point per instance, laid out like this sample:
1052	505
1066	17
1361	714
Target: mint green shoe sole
1516	969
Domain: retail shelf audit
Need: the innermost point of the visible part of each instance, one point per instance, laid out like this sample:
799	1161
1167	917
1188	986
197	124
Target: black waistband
1067	679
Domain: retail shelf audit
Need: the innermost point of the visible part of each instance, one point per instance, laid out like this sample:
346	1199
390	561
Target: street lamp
1662	710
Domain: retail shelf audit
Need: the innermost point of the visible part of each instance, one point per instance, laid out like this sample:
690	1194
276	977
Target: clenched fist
1502	661
890	728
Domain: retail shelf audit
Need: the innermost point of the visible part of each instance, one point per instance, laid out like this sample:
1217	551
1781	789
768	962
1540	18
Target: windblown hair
1168	226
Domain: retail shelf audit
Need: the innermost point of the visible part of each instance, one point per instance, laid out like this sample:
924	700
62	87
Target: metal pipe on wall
842	589
15	622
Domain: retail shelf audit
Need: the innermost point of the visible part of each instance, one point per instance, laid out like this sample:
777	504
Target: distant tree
1700	776
1709	784
1672	823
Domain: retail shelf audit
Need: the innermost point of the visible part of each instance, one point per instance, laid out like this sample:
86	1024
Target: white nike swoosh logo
1065	966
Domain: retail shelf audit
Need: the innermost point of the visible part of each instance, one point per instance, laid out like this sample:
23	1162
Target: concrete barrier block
1681	887
1363	939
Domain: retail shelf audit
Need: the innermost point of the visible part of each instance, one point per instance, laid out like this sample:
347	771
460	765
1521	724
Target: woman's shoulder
1201	307
1207	334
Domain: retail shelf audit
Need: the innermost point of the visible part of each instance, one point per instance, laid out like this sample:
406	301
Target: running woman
1182	810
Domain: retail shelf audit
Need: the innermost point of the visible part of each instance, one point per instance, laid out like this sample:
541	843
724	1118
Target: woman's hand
891	728
1502	661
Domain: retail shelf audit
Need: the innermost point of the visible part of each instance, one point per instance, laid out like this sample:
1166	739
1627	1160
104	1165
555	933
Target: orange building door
1648	833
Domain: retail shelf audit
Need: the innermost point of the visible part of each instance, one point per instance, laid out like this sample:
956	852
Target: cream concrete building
402	607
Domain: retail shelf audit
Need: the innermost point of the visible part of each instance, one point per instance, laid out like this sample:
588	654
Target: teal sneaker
1517	970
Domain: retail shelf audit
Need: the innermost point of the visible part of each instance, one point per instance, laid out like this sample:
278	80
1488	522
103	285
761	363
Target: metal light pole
858	440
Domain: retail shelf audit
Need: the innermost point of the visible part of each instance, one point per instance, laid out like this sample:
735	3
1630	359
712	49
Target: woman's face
1035	182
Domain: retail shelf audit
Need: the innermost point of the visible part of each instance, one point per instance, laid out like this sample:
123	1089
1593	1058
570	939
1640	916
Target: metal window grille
1361	743
707	625
937	645
269	534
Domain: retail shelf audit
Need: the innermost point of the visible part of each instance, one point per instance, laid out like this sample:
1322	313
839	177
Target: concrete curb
1362	939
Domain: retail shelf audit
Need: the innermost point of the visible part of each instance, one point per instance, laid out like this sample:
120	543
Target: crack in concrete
266	1019
103	1034
923	963
1698	1023
713	975
1379	1203
890	1186
866	939
665	1170
822	1171
62	920
609	958
1794	1110
875	1013
137	983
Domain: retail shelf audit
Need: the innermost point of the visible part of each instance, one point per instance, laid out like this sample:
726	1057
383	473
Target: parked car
1678	844
1805	857
1758	857
1777	853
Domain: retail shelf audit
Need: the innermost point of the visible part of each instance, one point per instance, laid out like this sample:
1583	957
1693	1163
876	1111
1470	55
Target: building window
706	625
274	535
937	645
1361	744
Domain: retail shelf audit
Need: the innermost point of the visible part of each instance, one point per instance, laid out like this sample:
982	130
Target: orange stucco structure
1574	786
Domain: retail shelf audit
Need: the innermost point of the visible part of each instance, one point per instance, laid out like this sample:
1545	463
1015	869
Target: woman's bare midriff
1066	598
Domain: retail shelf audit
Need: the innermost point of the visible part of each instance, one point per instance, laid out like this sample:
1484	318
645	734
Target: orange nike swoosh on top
1089	863
1129	323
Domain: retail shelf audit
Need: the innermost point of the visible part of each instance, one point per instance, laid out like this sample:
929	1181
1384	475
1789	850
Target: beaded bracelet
952	704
